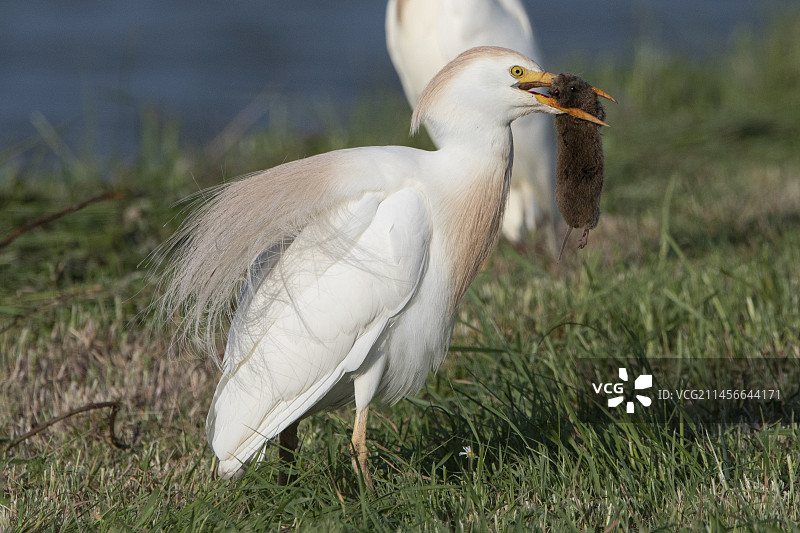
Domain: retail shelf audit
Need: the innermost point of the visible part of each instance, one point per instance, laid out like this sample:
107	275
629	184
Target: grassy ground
695	257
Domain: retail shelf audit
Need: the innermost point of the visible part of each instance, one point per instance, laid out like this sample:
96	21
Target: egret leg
288	441
360	454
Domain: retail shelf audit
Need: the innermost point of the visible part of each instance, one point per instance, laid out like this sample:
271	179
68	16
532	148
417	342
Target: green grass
696	256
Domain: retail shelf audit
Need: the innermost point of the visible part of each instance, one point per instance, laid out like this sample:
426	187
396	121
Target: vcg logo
644	381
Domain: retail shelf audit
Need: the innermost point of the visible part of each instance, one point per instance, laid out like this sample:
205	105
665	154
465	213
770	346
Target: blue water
203	62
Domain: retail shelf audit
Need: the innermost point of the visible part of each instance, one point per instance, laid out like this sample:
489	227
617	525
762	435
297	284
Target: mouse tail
563	244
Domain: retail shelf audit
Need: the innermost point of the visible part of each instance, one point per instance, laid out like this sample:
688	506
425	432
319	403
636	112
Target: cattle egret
423	35
350	264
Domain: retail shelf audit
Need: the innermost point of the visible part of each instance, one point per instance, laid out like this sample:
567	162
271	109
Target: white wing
414	43
464	24
315	317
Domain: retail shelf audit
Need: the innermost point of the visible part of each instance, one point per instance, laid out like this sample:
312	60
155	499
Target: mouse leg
584	239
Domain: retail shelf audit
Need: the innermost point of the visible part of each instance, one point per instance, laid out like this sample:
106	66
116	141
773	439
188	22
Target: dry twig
112	418
110	195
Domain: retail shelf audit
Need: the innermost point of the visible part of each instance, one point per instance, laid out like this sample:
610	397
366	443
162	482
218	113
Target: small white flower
468	453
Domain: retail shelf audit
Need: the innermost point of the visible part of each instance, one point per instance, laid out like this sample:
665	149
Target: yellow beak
534	80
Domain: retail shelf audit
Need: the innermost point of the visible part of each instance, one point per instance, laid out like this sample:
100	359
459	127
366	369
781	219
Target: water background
94	65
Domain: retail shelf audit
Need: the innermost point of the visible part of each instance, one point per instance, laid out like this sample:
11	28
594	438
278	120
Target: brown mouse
579	174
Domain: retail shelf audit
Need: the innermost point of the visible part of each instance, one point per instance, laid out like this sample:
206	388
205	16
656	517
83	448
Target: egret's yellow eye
517	71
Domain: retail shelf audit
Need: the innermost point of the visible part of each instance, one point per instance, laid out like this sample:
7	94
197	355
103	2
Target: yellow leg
288	442
360	453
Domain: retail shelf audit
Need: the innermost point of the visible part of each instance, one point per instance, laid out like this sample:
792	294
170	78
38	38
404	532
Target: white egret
424	35
351	264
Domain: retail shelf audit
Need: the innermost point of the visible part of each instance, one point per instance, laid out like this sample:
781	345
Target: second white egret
424	35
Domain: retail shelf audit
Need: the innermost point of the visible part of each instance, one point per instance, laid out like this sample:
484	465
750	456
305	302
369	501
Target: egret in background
424	35
350	265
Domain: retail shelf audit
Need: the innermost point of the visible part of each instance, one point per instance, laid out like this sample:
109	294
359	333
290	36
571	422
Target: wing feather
315	318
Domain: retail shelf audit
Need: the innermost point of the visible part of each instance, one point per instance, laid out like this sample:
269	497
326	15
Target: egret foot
288	442
359	452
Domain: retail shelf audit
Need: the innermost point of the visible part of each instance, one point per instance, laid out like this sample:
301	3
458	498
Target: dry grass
82	361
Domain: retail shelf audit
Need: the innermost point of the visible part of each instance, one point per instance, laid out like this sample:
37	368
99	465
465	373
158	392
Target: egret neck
474	197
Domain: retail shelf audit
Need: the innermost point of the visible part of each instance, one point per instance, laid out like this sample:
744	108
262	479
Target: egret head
487	85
